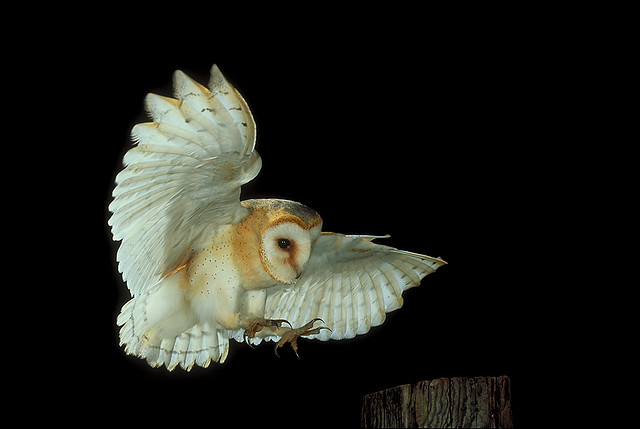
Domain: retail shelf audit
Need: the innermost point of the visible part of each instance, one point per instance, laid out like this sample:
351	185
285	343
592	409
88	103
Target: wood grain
472	402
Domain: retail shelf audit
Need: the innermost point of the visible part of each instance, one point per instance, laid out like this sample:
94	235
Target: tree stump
474	402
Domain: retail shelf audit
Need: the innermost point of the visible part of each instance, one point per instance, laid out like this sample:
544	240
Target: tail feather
200	344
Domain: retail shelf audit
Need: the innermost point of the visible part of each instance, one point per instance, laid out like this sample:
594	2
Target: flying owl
204	267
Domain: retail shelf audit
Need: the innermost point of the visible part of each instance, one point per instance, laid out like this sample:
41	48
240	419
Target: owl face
288	231
285	249
203	266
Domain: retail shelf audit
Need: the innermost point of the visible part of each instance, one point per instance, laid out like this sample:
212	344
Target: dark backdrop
424	137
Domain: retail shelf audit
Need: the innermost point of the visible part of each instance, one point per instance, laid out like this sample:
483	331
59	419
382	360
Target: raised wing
350	283
182	180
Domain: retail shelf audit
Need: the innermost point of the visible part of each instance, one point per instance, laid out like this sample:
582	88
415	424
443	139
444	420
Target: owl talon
256	326
292	335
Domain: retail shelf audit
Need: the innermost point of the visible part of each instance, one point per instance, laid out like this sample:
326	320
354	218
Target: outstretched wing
182	180
350	283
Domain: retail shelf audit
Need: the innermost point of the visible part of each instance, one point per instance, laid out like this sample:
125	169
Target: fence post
467	402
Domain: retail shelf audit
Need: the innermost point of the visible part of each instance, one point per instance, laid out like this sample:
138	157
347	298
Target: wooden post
474	402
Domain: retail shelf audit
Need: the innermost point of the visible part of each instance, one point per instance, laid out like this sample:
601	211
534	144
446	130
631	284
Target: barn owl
204	267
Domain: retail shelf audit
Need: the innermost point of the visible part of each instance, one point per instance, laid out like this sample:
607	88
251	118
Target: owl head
287	234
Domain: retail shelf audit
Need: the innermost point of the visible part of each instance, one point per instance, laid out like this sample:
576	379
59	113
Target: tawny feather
201	265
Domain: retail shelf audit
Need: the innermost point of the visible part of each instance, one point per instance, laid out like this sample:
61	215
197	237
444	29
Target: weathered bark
474	402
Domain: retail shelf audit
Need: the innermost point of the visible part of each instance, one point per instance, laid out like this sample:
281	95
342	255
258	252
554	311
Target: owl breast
221	274
227	260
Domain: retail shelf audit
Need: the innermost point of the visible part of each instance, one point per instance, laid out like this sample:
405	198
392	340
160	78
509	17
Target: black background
424	135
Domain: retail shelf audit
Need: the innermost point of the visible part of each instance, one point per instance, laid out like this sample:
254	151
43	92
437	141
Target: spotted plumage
204	267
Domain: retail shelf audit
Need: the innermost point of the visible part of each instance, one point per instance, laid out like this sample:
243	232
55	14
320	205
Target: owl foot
291	336
256	325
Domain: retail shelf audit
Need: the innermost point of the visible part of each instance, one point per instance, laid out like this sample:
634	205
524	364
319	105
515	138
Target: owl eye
283	243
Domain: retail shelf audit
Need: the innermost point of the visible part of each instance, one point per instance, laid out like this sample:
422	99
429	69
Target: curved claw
248	340
320	327
293	335
256	326
281	321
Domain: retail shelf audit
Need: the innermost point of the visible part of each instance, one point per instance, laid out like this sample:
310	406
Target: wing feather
347	305
182	179
394	287
378	313
364	306
337	323
351	283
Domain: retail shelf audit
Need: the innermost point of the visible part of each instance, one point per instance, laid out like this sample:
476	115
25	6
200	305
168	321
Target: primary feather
182	180
178	199
350	283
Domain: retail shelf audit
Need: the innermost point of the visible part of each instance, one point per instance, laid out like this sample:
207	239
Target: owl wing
183	177
350	283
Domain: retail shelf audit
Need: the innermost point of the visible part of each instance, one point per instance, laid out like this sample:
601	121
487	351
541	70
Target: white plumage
183	177
350	283
203	267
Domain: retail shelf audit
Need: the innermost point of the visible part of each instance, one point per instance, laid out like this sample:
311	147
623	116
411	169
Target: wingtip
216	78
179	75
370	238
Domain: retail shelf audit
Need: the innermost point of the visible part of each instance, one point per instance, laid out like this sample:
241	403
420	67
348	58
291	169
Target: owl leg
292	335
256	325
